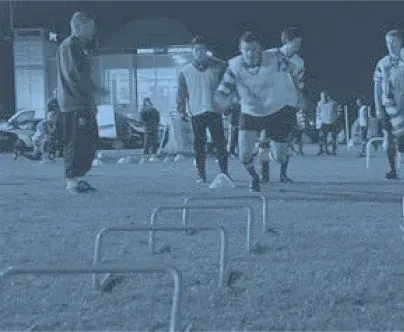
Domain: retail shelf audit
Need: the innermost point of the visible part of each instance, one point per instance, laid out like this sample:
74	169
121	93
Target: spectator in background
363	124
53	106
234	115
326	122
43	140
151	119
300	128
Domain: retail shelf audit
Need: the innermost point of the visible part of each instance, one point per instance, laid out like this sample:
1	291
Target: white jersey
264	90
201	86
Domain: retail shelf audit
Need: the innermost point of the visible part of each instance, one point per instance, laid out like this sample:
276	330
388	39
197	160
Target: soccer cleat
391	176
285	179
255	186
200	179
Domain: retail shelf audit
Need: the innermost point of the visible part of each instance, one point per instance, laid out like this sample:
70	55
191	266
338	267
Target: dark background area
342	40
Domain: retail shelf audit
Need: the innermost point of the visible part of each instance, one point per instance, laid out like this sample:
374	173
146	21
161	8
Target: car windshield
23	117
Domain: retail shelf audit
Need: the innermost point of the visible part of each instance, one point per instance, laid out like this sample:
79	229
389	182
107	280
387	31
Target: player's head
147	102
359	101
199	48
52	116
83	26
291	38
394	42
324	96
250	48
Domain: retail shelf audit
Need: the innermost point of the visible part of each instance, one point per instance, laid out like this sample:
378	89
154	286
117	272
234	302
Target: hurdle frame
368	146
261	197
134	268
129	228
160	209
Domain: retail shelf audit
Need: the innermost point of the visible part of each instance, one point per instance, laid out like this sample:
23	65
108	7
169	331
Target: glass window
119	85
30	90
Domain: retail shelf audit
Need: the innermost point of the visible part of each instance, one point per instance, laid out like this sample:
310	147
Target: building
142	59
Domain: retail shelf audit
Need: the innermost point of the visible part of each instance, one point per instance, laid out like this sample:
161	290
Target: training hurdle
135	268
368	148
160	209
402	207
261	197
105	230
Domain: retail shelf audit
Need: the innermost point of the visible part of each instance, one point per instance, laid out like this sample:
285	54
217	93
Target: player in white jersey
291	44
389	97
268	88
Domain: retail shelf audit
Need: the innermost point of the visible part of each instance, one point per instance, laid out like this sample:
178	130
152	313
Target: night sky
342	40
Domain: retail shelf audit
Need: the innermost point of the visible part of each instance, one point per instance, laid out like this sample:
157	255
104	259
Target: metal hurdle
368	146
134	268
159	209
261	197
402	207
105	230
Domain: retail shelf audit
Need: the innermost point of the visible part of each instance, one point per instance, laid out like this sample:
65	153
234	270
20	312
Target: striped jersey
386	75
267	88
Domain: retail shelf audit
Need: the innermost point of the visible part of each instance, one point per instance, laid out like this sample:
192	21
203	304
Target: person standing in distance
197	83
388	97
76	93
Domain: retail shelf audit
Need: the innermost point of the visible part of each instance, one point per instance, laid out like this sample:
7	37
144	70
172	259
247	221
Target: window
118	81
30	90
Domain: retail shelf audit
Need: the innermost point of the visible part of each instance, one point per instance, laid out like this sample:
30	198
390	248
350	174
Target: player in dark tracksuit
76	97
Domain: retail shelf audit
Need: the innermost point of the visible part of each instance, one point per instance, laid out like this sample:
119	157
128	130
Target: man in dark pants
76	92
151	118
197	83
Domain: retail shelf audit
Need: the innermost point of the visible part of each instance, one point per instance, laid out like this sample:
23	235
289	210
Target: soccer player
388	96
197	83
268	85
326	122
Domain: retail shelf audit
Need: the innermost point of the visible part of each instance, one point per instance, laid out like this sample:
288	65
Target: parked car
21	126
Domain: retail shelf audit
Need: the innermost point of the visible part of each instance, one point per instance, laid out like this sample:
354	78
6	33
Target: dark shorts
278	127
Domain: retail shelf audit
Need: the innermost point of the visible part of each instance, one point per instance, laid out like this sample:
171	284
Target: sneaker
391	176
200	179
79	187
285	179
152	158
255	186
85	186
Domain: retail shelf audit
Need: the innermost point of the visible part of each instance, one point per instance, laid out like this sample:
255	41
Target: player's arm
378	91
223	96
182	97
